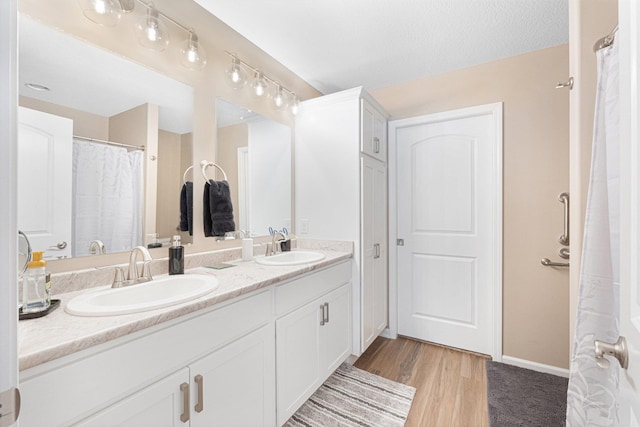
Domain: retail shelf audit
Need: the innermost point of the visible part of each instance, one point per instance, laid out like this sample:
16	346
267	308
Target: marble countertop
60	334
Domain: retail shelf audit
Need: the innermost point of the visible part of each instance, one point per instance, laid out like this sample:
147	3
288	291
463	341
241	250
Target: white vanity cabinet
341	194
150	378
231	386
313	335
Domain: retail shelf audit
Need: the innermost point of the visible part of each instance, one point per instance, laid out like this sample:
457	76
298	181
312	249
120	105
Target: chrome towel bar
564	199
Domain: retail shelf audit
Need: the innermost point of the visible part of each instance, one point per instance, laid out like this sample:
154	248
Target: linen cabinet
341	194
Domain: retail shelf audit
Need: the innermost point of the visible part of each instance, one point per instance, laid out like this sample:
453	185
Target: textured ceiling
339	44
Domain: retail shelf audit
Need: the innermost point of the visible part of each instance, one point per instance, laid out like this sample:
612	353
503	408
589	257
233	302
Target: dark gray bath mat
522	397
353	397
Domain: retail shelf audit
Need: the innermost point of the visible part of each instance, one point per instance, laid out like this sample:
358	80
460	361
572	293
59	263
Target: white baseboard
386	333
535	366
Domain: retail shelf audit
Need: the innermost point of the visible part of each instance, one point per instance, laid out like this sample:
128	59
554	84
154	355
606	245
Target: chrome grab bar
548	263
564	239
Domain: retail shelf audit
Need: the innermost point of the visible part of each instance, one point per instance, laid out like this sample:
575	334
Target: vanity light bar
294	102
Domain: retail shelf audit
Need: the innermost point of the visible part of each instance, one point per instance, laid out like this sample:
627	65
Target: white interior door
449	216
45	181
629	39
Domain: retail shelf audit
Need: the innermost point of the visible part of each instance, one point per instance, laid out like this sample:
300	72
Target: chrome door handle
200	382
324	316
184	388
619	350
59	245
376	144
564	199
376	250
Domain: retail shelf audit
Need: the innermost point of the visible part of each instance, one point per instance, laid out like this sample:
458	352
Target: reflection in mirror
103	144
255	153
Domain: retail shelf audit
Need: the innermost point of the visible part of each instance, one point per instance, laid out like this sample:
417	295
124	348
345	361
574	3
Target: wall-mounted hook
568	84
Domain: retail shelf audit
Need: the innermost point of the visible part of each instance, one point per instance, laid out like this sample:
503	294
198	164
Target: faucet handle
118	278
146	270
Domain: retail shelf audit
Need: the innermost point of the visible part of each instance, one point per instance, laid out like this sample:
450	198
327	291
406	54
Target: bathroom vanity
250	353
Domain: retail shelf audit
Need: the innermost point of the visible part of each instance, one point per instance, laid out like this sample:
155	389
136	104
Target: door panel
45	181
448	214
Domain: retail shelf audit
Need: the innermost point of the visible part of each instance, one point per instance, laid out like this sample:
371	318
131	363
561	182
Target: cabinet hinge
9	407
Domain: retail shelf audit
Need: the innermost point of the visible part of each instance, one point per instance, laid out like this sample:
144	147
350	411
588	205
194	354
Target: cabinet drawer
298	292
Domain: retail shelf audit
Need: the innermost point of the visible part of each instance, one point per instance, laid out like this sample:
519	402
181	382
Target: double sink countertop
60	334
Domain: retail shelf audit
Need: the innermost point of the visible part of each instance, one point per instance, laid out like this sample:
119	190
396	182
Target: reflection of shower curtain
107	203
592	394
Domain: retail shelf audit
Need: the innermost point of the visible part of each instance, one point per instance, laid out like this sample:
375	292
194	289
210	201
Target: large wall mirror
255	153
78	194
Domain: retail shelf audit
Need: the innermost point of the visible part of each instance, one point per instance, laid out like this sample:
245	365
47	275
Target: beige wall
589	21
216	37
536	171
186	160
169	184
84	124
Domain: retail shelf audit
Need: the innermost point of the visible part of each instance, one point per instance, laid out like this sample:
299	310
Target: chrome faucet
275	243
96	247
133	275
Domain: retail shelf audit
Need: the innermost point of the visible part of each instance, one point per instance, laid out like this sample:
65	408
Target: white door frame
628	38
8	193
496	111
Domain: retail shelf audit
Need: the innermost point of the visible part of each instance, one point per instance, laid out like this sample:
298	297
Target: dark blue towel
218	209
186	207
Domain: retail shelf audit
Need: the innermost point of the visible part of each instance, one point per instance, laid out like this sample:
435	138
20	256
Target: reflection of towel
186	207
218	210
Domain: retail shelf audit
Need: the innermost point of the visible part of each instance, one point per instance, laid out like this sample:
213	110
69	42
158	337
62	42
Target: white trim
535	366
8	197
495	110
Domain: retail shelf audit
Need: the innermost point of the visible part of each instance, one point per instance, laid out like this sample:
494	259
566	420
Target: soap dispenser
176	257
35	286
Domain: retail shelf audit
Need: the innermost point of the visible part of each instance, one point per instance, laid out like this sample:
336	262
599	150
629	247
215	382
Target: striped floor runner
353	397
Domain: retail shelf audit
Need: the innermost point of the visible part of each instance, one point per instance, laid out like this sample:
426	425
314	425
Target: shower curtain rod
104	141
605	41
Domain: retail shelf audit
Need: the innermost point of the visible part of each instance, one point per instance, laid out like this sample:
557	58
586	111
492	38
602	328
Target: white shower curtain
107	202
593	391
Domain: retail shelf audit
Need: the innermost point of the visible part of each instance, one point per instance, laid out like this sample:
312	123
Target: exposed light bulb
295	105
279	98
192	54
259	85
152	32
103	12
235	74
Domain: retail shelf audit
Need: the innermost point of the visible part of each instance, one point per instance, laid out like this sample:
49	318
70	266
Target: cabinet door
235	386
374	289
298	357
158	405
335	337
373	132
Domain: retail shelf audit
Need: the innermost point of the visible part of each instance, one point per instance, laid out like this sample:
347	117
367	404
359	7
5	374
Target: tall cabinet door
374	249
373	138
235	386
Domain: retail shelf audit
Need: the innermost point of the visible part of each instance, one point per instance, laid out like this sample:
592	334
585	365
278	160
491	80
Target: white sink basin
291	258
157	293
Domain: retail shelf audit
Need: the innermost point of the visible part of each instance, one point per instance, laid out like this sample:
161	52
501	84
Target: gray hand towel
218	209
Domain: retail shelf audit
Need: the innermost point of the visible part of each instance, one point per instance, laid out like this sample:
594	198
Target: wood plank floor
451	384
